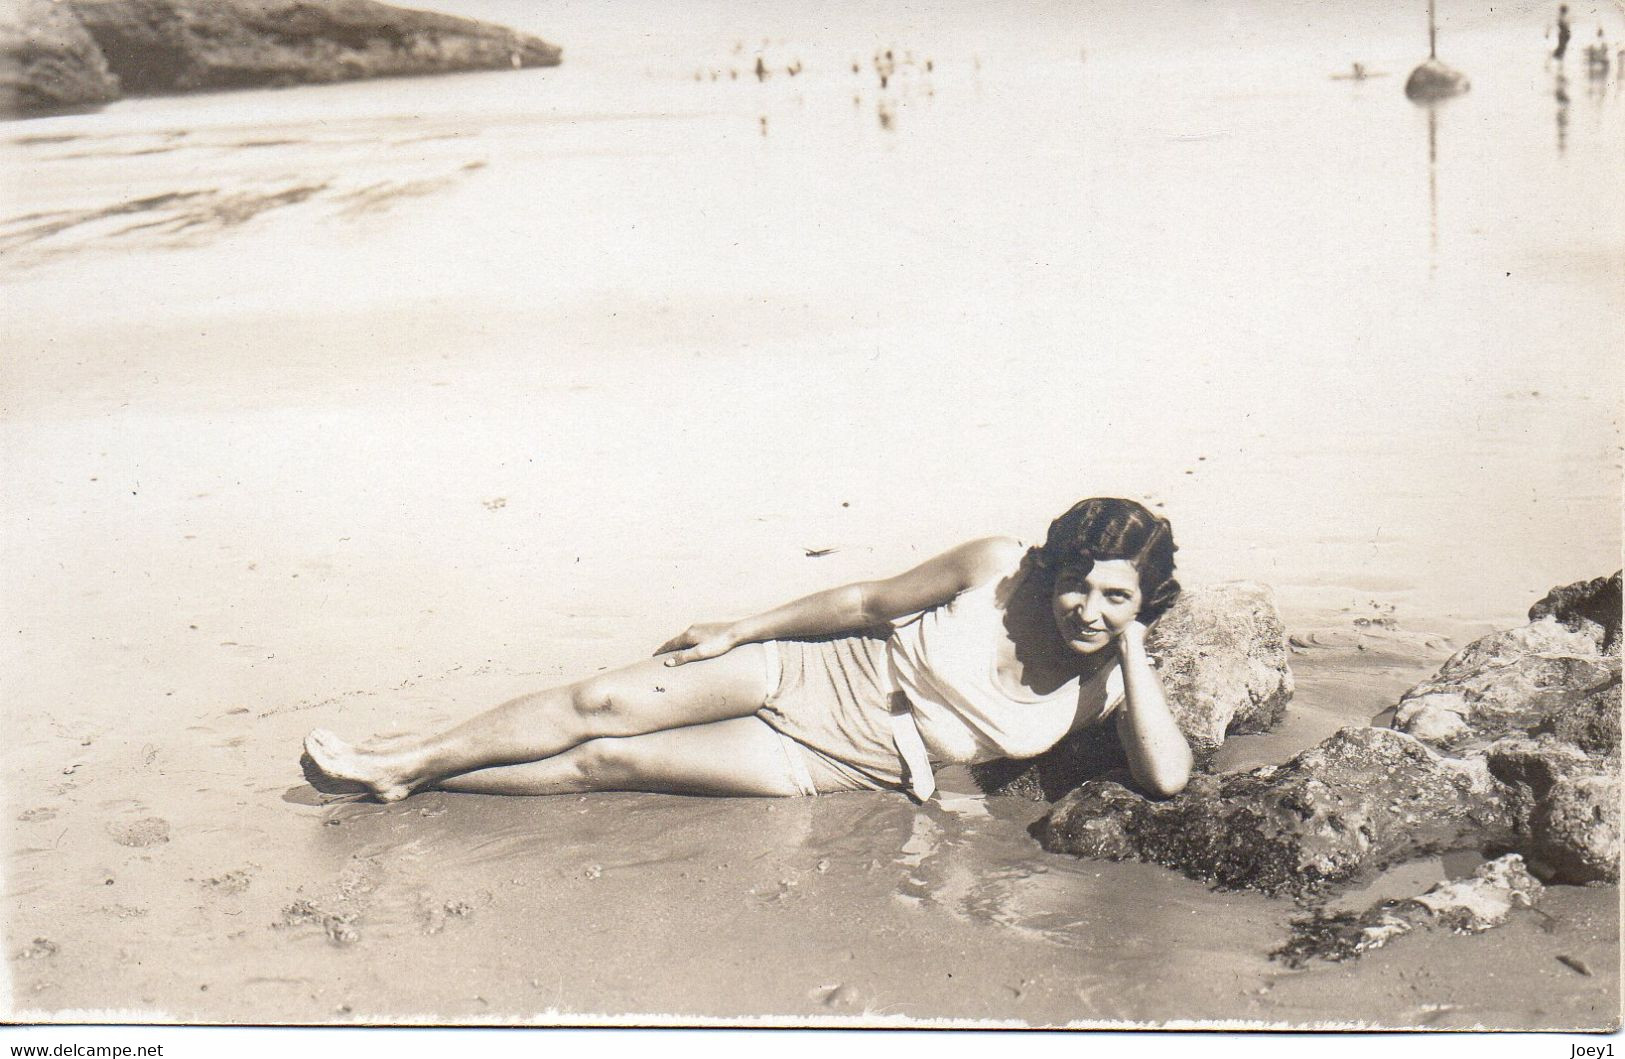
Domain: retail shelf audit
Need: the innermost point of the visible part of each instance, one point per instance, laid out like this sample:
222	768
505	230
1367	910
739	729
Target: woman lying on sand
989	650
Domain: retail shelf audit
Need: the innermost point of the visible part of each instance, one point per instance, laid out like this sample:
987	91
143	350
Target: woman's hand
1132	638
704	640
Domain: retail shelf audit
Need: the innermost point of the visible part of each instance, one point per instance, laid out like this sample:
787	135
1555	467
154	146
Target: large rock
1222	656
1339	812
48	61
157	46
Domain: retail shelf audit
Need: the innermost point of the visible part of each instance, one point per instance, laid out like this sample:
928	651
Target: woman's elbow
1166	786
1164	779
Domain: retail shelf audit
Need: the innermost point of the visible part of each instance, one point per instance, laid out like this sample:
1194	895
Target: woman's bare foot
383	774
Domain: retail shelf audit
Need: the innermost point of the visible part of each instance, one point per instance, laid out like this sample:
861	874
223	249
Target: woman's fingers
700	651
686	638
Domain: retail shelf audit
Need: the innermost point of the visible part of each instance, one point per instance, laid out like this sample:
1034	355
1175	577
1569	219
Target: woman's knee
602	706
605	764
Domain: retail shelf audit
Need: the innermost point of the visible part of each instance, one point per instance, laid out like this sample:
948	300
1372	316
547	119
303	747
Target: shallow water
366	405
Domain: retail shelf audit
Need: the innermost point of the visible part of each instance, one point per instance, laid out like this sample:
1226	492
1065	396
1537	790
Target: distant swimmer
1358	72
1597	55
1563	32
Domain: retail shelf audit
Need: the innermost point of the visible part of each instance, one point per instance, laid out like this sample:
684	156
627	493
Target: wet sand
369	406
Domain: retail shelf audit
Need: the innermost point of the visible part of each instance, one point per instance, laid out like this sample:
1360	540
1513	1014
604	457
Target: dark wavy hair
1104	528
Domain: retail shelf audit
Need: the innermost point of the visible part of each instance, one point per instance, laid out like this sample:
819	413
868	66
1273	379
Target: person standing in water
990	650
1563	32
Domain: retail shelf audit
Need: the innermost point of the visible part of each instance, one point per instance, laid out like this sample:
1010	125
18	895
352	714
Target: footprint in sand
34	816
338	926
148	831
232	882
39	949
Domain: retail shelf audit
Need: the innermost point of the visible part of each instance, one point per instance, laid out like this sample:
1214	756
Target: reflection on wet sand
1560	92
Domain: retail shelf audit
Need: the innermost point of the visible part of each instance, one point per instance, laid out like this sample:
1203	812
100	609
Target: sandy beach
368	406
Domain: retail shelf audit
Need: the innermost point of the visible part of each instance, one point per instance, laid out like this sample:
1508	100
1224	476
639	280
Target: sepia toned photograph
978	514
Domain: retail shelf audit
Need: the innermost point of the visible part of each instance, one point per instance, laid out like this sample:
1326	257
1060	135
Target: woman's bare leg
742	757
644	697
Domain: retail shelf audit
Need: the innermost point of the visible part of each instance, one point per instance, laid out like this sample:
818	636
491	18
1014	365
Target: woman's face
1091	609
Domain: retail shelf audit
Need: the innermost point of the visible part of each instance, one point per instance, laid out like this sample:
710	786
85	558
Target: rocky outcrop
160	46
1221	653
1542	704
48	61
1336	814
157	46
1466	906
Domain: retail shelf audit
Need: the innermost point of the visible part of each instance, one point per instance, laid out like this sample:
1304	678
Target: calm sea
1356	348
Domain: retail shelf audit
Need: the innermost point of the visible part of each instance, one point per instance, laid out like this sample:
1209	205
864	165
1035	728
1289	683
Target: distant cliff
48	60
86	52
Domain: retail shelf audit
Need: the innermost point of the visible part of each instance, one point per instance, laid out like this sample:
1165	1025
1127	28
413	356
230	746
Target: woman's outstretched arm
850	608
1158	755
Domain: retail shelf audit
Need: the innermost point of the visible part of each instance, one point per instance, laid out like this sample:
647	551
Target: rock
1361	800
1564	800
1528	767
1592	724
1433	81
1466	906
1469	906
1542	704
1575	828
1221	652
1222	655
1505	683
1585	604
158	46
48	61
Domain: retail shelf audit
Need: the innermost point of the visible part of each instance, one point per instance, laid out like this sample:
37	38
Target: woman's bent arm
862	605
1158	755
